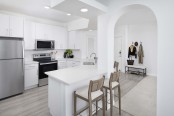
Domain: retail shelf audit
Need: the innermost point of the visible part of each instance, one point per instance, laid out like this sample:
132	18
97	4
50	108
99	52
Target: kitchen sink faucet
95	58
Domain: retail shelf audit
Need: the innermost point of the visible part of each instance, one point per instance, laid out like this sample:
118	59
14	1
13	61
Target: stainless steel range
45	64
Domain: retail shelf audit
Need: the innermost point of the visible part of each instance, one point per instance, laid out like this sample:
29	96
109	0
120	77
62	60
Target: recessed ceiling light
47	7
84	10
90	30
68	14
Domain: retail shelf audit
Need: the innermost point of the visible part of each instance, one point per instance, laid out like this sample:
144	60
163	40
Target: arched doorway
136	23
110	33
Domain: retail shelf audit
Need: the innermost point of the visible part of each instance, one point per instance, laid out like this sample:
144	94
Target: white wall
91	42
145	33
83	46
120	37
78	24
102	43
82	37
163	11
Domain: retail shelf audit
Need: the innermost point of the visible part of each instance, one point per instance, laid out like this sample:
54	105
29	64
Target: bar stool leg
90	108
111	102
75	103
103	105
96	106
106	98
119	94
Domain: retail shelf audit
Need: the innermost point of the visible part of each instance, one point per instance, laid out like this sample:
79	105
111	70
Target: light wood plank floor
34	102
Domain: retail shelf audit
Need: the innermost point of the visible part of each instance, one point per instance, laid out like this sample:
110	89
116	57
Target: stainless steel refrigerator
11	66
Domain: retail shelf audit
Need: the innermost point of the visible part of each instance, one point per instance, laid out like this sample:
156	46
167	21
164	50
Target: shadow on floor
115	113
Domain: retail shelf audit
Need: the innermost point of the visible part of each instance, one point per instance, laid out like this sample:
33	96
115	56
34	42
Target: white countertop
75	74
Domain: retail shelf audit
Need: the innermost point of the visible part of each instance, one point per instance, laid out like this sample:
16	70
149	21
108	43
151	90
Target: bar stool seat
83	92
106	84
93	92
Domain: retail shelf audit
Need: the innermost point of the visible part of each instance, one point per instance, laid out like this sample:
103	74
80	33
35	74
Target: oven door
45	67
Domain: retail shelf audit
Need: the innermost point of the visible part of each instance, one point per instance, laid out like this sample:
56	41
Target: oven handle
48	63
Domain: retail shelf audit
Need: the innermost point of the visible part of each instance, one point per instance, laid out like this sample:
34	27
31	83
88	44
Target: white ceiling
58	13
74	6
35	8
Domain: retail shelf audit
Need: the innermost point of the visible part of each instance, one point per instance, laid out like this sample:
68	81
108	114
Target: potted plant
130	61
68	53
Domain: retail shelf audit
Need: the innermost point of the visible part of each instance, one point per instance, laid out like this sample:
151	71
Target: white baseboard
149	74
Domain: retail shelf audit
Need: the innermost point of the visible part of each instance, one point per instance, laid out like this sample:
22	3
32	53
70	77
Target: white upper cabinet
4	25
44	32
73	40
49	32
40	31
61	37
16	26
29	34
11	26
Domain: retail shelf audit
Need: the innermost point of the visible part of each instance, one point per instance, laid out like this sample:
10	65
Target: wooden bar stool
111	84
90	94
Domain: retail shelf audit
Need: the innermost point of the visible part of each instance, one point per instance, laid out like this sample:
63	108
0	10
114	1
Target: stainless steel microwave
45	45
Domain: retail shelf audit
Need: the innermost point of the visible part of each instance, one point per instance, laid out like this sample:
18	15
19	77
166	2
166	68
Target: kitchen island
62	84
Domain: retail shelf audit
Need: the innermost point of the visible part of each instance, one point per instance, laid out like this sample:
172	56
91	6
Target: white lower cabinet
68	63
73	63
62	64
31	76
76	63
